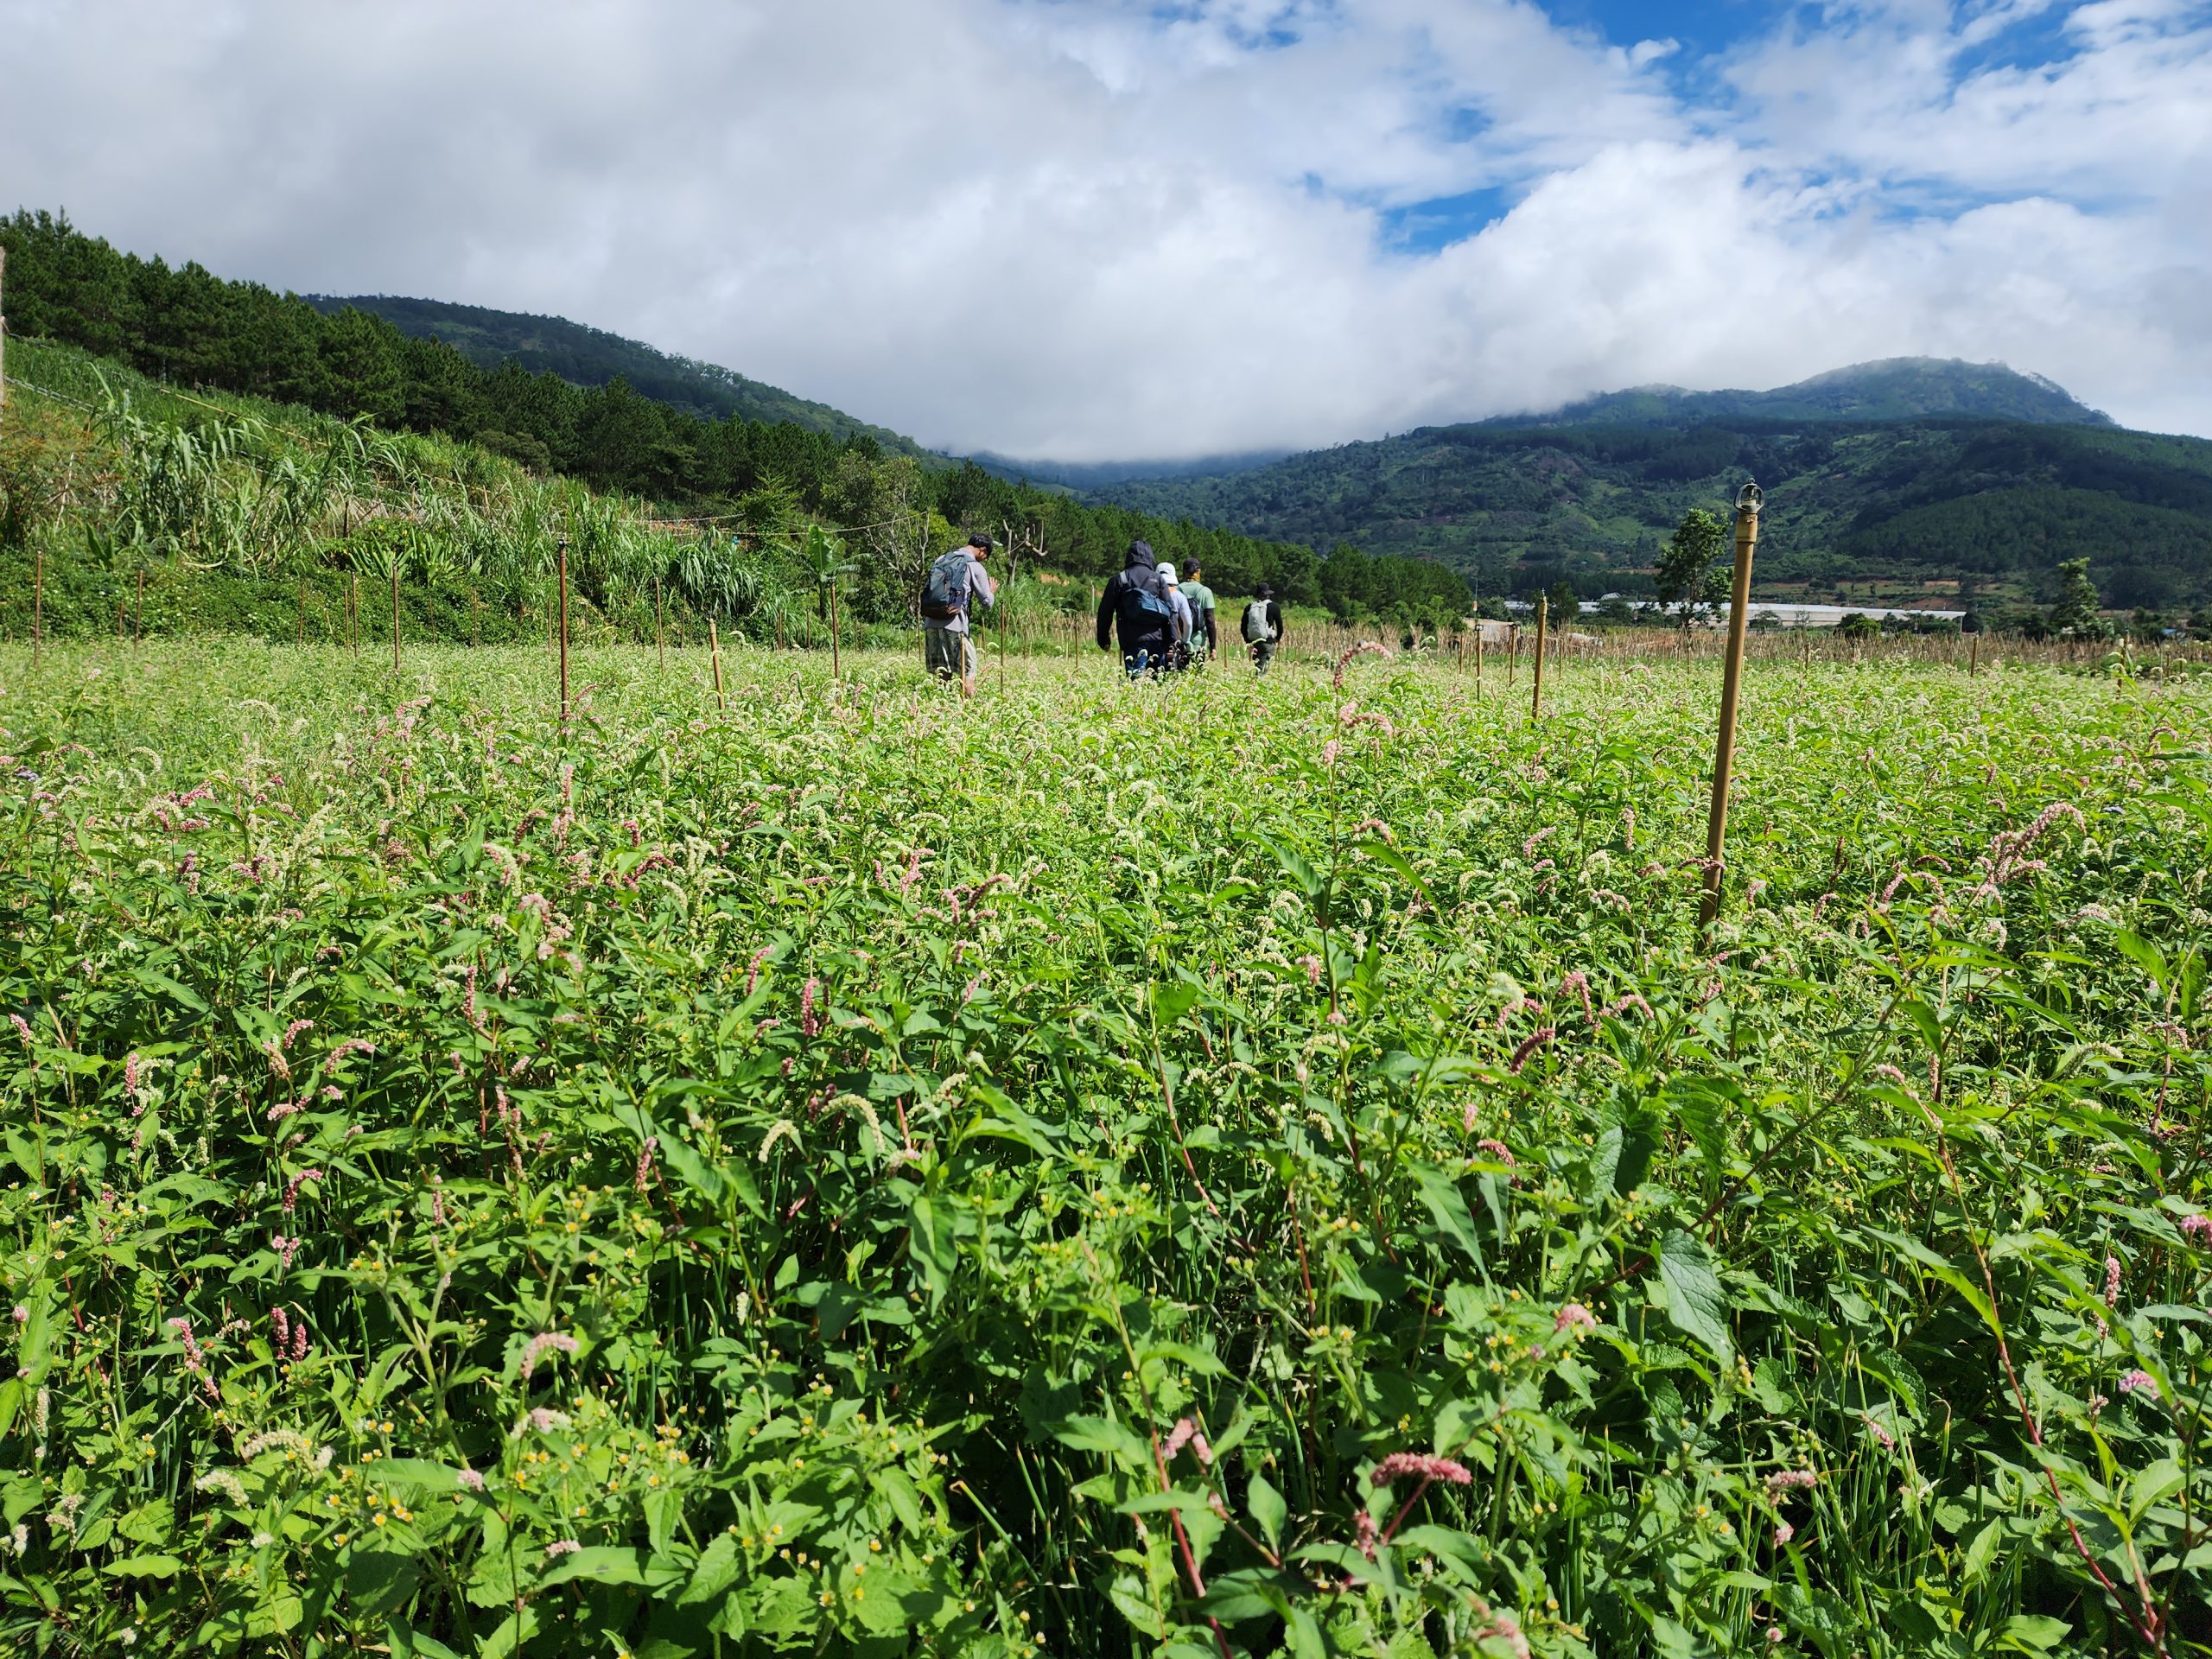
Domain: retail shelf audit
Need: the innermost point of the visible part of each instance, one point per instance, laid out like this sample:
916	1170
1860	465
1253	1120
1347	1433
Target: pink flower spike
1399	1464
2135	1380
1791	1480
1313	966
561	1547
553	1340
469	1479
1575	1317
1368	1534
1783	1534
2112	1282
644	1172
1498	1150
1534	1040
2195	1226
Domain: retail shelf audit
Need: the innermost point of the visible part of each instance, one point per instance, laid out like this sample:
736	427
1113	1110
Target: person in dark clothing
1136	601
1262	628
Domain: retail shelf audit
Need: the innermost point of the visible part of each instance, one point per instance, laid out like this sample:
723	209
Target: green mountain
1893	389
591	357
1911	474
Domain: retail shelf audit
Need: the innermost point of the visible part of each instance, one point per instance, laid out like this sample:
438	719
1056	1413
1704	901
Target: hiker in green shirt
1204	638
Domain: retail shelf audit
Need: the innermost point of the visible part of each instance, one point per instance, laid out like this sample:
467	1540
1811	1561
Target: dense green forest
591	357
1995	506
185	327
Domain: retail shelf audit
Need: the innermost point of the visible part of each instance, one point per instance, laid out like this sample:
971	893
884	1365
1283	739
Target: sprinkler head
1750	499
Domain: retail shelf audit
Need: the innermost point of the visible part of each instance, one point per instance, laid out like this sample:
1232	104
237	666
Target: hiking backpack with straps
946	595
1258	629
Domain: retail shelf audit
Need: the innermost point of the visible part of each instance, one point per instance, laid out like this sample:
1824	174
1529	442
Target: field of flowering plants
1223	1168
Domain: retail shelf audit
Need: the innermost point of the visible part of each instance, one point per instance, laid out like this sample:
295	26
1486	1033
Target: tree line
186	326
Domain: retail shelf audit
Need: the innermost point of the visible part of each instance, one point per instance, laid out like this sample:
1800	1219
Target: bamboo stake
1536	699
714	655
1716	822
564	630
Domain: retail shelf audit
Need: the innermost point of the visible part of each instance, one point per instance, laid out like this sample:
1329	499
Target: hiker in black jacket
1137	600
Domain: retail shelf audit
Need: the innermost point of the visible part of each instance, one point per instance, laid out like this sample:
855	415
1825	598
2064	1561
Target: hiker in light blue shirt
957	582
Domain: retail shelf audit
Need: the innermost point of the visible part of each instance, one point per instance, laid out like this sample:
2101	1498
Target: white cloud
1068	228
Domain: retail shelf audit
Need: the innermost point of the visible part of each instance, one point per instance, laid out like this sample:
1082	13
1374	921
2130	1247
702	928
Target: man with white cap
1178	648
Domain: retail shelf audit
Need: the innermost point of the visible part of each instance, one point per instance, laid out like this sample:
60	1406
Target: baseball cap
1168	570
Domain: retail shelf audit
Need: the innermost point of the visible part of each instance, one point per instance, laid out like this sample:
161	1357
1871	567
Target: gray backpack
946	594
1258	629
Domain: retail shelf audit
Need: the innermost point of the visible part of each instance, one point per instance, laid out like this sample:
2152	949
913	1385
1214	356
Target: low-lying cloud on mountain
1096	229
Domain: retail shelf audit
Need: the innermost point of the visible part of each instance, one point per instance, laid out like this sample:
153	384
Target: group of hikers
1166	622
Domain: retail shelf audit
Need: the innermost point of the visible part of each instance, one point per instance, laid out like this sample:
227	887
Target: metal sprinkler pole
1748	502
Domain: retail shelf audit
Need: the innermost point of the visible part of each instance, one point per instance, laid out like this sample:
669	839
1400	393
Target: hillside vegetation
1935	498
763	482
584	356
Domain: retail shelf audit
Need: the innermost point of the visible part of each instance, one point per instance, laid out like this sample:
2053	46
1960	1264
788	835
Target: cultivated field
1099	1170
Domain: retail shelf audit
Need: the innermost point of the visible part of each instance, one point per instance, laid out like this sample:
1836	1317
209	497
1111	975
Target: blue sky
1101	229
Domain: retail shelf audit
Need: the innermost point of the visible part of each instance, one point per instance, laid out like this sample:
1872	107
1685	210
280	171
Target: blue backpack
945	596
1152	599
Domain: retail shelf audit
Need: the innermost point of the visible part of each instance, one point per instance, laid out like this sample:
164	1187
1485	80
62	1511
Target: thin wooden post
1536	699
1512	653
836	666
998	625
138	615
660	624
38	600
714	656
353	611
1479	660
395	614
1973	656
562	624
1748	500
303	638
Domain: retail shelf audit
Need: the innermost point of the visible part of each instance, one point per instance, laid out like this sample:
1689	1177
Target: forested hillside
1995	505
591	357
759	479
